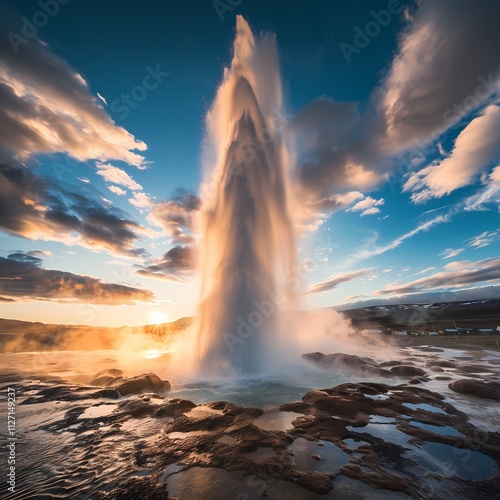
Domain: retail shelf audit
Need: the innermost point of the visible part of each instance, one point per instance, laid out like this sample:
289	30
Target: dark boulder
104	377
476	388
407	371
135	385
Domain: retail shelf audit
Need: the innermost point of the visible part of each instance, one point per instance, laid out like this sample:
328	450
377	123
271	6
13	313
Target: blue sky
395	210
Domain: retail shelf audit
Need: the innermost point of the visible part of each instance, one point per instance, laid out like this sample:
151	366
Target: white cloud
425	226
370	211
455	275
476	147
489	194
117	176
449	253
484	239
102	98
367	203
117	190
338	278
426	270
140	200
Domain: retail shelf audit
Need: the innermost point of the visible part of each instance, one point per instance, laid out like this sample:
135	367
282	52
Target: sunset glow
157	317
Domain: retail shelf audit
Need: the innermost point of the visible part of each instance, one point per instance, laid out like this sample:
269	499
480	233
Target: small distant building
487	330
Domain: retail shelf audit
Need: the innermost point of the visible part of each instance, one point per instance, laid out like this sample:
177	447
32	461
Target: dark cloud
175	216
446	67
35	207
46	106
438	74
455	275
337	279
176	265
338	151
22	277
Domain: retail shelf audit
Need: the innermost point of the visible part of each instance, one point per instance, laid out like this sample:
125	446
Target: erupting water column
248	247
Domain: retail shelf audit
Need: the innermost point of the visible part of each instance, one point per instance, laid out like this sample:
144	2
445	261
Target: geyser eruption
248	247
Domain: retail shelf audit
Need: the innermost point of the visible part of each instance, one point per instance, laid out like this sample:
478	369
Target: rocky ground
396	439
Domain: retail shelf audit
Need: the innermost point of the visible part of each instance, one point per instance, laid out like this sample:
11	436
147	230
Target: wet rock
174	407
372	388
135	385
104	377
349	361
297	407
111	372
443	363
314	356
136	407
70	393
476	388
443	377
475	369
381	480
436	369
376	371
318	482
316	457
390	363
101	381
425	348
407	371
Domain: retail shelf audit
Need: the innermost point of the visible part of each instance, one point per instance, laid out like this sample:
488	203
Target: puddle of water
426	407
213	483
99	411
332	457
377	397
443	430
353	444
277	420
169	471
450	461
202	411
387	432
378	419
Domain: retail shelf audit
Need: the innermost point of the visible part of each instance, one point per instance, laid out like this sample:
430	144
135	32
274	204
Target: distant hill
491	292
34	336
433	316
